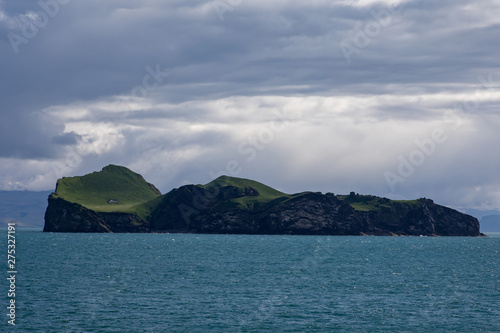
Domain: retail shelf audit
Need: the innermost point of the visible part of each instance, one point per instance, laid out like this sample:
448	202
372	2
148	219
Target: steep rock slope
232	209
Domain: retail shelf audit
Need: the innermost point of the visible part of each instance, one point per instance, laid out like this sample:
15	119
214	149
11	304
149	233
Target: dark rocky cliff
309	214
64	216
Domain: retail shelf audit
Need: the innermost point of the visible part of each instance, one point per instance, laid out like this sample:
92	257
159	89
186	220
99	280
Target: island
118	200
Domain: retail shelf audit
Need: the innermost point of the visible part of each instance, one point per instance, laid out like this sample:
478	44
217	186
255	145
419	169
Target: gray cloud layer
329	95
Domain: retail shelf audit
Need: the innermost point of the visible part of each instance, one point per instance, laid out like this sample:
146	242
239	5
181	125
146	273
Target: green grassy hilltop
244	192
370	203
114	189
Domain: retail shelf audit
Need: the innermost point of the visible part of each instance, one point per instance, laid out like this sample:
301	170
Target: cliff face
241	206
64	216
308	214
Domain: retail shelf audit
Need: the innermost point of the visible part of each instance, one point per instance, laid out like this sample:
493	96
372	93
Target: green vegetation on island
114	189
371	203
119	200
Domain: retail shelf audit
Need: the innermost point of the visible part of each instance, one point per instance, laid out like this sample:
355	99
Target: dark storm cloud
72	87
66	139
89	50
26	135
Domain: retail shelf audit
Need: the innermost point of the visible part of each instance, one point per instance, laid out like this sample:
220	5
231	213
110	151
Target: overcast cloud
392	98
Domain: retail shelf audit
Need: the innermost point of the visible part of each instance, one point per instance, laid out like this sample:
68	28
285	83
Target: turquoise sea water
241	283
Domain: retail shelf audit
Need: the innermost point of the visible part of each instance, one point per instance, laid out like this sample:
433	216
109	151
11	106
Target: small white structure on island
112	201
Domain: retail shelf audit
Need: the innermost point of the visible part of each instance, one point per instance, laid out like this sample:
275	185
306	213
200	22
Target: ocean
246	283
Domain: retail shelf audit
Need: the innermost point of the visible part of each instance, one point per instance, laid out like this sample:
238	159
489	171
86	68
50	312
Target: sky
396	98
